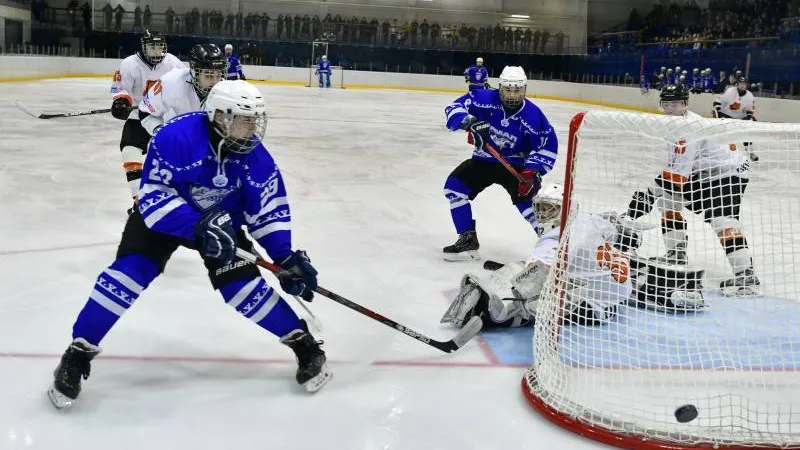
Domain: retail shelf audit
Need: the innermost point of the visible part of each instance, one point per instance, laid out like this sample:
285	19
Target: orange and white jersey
704	161
600	273
737	106
135	76
168	97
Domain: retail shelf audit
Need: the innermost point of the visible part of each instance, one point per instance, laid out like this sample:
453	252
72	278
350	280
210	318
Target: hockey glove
749	116
532	185
298	276
216	236
467	122
121	108
641	204
466	79
480	132
717	109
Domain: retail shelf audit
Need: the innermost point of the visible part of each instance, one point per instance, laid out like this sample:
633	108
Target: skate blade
463	256
740	292
319	381
59	400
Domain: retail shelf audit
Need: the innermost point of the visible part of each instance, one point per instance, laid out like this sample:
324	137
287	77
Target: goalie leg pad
464	304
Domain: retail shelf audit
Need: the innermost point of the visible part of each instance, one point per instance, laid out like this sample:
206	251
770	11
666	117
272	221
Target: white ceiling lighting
520	16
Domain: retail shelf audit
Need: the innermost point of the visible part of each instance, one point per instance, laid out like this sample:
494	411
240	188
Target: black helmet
206	59
674	92
153	47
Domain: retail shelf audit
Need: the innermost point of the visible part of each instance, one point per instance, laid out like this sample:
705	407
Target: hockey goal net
735	360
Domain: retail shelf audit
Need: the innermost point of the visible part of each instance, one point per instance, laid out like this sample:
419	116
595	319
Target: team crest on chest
504	122
206	197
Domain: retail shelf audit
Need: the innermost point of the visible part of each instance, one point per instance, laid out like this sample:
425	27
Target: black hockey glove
641	204
298	276
467	122
480	132
121	108
466	79
717	109
216	237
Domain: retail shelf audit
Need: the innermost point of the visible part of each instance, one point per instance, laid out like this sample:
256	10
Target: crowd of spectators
684	25
351	30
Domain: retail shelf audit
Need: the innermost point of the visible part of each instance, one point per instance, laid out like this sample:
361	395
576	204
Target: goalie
603	272
706	179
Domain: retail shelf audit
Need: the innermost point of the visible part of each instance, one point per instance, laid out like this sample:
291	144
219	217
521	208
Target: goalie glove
641	203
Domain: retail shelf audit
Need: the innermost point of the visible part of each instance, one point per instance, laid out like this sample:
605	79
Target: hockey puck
686	413
492	265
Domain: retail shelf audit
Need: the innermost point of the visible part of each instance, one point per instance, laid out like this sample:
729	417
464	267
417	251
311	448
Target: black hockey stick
27	110
472	328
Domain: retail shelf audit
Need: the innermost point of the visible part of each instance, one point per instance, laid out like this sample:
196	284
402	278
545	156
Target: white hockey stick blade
316	324
468	331
26	110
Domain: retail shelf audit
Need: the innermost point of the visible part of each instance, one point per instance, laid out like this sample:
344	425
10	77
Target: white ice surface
364	173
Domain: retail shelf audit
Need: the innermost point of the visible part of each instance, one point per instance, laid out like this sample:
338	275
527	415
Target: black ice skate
465	248
312	370
75	364
743	284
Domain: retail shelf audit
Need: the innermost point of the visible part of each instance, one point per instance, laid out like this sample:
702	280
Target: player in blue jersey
324	72
476	76
206	177
234	67
519	130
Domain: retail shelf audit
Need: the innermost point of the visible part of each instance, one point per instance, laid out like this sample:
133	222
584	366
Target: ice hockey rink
364	172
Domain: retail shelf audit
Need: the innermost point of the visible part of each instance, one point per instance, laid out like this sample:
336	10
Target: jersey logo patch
735	106
680	147
206	198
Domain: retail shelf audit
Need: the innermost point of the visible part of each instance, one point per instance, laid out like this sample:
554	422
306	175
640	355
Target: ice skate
312	371
75	364
743	284
465	248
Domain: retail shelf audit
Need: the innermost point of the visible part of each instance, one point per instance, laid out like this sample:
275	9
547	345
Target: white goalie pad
491	293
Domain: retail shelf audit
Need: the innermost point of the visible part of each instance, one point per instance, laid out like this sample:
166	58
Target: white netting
737	359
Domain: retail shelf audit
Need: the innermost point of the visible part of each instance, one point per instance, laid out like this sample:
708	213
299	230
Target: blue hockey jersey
324	66
524	138
234	68
181	181
477	76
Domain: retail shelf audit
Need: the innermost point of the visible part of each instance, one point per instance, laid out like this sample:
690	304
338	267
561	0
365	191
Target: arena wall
16	68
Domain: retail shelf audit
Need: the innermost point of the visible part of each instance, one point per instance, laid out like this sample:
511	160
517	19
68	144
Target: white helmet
238	112
513	84
228	48
479	60
547	204
324	57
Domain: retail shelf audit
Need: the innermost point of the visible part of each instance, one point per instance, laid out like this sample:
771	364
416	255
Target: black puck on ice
686	413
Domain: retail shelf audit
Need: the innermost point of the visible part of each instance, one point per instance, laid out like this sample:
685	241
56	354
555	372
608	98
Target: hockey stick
506	164
472	328
27	110
315	323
